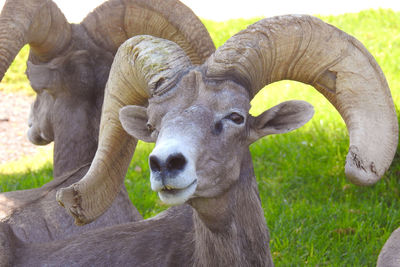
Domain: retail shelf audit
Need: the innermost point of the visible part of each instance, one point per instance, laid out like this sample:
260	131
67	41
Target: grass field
315	216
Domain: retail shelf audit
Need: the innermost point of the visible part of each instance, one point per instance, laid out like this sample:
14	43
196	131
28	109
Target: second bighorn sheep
68	68
199	118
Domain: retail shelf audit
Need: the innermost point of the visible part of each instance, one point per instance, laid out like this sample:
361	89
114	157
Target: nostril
155	165
176	162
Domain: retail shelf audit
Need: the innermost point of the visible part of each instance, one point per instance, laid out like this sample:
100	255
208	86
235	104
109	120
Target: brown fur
238	236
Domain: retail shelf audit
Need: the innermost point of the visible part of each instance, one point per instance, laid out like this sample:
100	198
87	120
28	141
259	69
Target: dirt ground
14	112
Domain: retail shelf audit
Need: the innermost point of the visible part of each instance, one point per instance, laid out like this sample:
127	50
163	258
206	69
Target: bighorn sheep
199	118
68	67
390	253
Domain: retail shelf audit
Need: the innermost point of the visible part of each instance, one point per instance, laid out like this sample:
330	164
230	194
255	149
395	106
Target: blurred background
219	10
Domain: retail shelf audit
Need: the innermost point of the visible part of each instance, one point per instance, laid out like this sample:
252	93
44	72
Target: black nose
155	165
174	163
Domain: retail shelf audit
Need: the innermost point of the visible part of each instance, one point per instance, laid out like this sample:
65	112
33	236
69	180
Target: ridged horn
140	63
113	22
39	23
306	49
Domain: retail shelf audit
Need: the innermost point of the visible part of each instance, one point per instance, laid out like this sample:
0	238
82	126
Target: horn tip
69	198
361	177
360	173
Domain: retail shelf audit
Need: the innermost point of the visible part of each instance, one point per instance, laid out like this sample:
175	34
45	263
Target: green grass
315	216
15	78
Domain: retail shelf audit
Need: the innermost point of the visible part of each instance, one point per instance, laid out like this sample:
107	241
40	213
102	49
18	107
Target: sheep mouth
173	190
170	190
37	138
176	196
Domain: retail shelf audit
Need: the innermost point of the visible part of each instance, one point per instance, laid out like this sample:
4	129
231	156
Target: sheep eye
235	117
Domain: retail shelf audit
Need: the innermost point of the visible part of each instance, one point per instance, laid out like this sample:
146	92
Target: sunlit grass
27	172
15	78
315	216
29	163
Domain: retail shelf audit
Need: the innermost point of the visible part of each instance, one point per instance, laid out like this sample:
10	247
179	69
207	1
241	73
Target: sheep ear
38	75
43	77
282	118
134	121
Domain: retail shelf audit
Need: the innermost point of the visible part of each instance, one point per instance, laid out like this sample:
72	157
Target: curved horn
109	26
115	21
37	22
306	49
139	66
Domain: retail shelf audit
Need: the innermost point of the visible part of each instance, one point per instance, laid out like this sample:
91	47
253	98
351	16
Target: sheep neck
231	230
75	143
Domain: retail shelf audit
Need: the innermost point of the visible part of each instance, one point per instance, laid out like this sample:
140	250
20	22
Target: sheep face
202	134
63	89
40	131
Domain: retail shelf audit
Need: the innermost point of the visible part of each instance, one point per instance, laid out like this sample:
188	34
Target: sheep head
202	135
301	48
64	88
